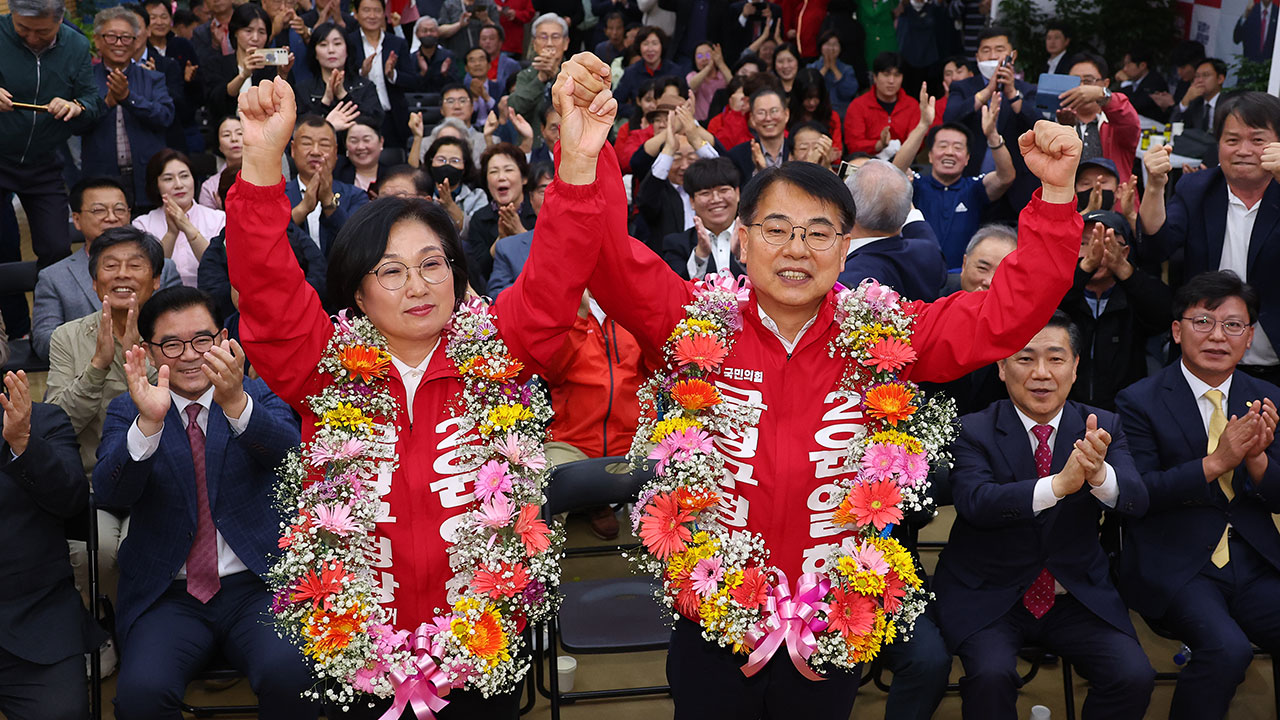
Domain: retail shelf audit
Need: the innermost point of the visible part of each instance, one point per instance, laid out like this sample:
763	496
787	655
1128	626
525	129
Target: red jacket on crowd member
805	17
730	128
513	28
865	118
285	330
629	141
939	109
1120	134
780	475
594	382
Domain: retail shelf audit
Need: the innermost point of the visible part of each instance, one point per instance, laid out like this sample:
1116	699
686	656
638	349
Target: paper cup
1178	127
566	667
1156	141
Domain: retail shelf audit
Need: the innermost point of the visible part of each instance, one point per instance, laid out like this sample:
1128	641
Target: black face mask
441	173
1108	200
429	42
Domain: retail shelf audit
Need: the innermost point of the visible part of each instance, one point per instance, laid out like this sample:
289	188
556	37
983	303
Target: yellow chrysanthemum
690	326
899	559
672	425
348	416
501	418
896	437
733	579
867	583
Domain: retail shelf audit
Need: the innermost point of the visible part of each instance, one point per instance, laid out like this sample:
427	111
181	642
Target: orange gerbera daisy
754	589
891	402
695	395
889	354
485	639
704	351
364	362
874	503
694	503
663	527
501	369
851	614
318	589
331	632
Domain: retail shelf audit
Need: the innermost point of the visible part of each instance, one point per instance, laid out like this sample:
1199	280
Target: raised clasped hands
587	110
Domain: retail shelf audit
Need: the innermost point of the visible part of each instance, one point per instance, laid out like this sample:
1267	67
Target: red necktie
1039	597
202	560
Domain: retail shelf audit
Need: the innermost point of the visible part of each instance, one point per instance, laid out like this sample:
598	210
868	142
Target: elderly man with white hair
881	247
530	94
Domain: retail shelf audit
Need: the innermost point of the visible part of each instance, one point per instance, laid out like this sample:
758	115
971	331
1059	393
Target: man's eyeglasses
771	112
115	39
173	349
459	100
1206	324
549	38
394	274
101	211
818	236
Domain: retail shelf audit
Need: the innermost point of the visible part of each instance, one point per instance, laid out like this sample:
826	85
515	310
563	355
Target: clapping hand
928	107
117	88
17	411
1052	153
1256	456
343	115
224	367
152	401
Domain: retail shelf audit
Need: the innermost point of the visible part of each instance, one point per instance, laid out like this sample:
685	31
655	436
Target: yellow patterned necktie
1217	423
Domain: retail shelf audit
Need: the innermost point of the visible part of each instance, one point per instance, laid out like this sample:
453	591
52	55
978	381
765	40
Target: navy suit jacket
1165	549
148	112
1196	223
1248	31
912	266
407	78
160	492
1010	124
999	545
42	619
508	260
350	199
676	248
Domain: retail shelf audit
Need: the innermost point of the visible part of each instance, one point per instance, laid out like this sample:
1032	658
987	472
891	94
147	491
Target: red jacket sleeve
282	324
539	309
967	330
855	130
1126	131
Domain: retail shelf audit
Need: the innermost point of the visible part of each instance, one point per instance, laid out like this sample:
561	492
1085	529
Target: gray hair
118	12
550	18
992	230
882	195
37	8
463	130
423	20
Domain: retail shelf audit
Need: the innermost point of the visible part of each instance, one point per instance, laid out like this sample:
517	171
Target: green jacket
62	70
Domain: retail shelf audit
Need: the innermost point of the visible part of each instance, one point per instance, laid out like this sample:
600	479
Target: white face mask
988	68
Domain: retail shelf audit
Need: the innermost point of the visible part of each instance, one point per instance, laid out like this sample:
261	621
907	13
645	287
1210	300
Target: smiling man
793	225
321	204
711	245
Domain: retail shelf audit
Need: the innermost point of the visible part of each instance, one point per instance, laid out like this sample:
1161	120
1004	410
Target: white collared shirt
412	376
662	168
313	217
721	250
857	243
1199	388
1235	257
1043	497
788	345
141	447
376	74
1054	61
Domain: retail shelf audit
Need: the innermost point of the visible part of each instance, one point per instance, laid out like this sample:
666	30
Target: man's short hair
450	87
675	81
1059	25
37	8
75	198
1094	59
550	18
707	173
424	20
1253	108
141	11
145	241
502	34
545	110
959	61
1139	54
765	91
813	180
1188	52
1062	320
1219	66
748	59
169	300
312	120
119	12
539	171
995	31
933	135
614	14
183	16
1211	288
885	62
990	231
475	48
882	195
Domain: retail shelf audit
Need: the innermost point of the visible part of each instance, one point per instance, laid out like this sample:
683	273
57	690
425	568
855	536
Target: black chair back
587	484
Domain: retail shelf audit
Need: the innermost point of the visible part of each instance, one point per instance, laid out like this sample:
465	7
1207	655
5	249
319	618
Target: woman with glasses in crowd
399	263
183	226
453	178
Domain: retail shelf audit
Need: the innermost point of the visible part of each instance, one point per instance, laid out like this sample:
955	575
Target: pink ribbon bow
724	282
792	621
425	691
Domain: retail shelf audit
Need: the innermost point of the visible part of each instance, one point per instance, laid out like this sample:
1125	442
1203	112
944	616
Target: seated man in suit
1204	564
321	204
1143	85
193	457
1031	479
912	266
661	198
46	629
711	245
1198	109
86	369
139	108
1227	217
64	290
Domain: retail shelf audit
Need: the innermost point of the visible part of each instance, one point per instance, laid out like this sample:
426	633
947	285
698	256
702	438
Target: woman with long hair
231	75
333	81
810	102
786	64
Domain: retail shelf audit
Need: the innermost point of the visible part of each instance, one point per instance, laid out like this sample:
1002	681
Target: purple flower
534	593
280	601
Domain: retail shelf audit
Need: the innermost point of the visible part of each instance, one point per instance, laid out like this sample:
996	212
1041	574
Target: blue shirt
953	211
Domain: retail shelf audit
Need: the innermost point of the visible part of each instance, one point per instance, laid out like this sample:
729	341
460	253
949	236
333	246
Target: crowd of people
206	183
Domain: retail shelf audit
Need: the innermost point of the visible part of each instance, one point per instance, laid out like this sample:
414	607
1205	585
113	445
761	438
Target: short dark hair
674	81
959	61
158	3
1211	288
502	34
1094	59
360	244
1059	25
933	135
147	243
243	16
545	110
475	48
814	180
155	168
885	62
1188	52
1062	320
826	35
1139	54
748	59
355	5
102	182
766	90
511	151
809	125
615	15
183	16
707	173
141	11
1253	108
649	31
468	162
543	169
995	31
456	86
173	299
315	121
421	181
1219	66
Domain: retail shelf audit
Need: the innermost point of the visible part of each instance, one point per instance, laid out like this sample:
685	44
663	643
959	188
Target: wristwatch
1106	95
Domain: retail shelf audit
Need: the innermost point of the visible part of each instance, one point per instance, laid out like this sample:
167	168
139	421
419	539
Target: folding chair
612	615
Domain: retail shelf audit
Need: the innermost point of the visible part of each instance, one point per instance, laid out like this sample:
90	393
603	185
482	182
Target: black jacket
482	233
677	246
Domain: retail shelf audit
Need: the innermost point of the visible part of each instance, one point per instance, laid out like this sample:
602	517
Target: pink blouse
207	220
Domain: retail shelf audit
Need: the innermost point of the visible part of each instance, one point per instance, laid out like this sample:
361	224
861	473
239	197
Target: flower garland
505	558
869	594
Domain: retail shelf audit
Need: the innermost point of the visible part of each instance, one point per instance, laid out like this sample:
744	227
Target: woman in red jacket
778	474
286	331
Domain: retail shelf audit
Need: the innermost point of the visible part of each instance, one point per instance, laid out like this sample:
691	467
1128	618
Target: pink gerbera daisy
706	576
492	479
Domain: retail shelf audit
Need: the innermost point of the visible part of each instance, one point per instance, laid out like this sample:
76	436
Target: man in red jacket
1106	121
882	114
779	475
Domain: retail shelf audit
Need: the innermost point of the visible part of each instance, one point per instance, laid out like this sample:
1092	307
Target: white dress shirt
1235	257
412	375
376	74
721	250
1043	497
313	217
662	168
142	447
1054	61
788	345
857	243
1199	388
